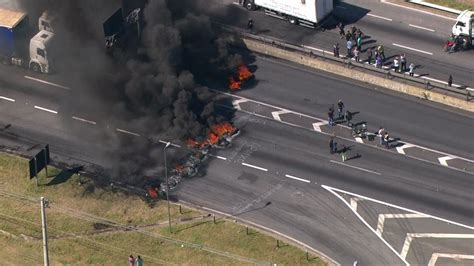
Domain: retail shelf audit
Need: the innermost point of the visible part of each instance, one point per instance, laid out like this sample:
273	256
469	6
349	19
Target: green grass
75	238
456	4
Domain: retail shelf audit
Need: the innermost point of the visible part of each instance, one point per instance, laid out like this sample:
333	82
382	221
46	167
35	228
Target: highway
419	35
285	162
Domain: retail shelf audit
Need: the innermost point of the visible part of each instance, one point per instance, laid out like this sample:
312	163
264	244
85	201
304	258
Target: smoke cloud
152	90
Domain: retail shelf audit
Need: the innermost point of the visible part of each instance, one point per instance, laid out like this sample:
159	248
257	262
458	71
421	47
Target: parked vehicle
463	29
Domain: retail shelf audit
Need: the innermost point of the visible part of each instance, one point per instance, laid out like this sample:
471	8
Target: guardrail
460	90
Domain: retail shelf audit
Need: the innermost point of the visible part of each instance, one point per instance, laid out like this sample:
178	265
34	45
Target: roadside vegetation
89	225
456	4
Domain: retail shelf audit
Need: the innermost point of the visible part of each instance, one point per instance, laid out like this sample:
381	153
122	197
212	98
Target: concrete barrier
342	70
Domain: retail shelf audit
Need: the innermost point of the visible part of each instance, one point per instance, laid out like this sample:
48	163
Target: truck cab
464	27
40	45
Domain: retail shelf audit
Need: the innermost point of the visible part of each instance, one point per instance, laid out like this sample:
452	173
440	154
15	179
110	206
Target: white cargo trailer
304	12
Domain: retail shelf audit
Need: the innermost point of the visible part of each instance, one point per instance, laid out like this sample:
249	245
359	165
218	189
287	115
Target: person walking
250	25
340	108
341	29
331	116
396	64
357	54
386	140
131	260
331	145
344	153
403	63
381	134
412	69
369	55
450	81
359	42
349	48
381	52
139	261
336	49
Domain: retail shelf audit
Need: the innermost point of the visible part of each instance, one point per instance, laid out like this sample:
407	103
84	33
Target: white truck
304	12
464	28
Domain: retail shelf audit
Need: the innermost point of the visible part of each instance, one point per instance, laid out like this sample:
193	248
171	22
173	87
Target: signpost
38	162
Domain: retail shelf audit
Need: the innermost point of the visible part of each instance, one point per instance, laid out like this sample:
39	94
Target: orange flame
244	73
179	168
153	193
213	138
234	84
223	128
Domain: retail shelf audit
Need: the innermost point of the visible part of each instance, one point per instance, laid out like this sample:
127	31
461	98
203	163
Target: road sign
39	161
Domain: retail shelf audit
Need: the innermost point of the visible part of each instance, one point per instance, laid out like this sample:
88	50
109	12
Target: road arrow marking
404	146
444	160
276	114
317	126
411	236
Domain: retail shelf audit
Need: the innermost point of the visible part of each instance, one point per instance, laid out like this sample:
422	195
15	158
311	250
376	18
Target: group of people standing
341	115
132	261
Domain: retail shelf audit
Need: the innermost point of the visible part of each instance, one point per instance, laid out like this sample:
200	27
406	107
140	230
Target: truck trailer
304	12
19	46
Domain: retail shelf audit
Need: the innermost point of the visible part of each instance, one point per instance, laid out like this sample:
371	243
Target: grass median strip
456	4
91	225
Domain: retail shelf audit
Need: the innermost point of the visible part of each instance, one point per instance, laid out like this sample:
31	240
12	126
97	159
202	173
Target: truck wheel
35	67
465	42
293	20
249	5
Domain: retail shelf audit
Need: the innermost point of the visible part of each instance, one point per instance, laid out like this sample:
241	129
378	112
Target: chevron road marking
443	160
382	218
359	139
403	147
317	126
236	103
354	201
276	114
435	256
411	236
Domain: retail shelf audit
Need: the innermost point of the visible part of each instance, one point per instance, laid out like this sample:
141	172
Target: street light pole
167	186
44	231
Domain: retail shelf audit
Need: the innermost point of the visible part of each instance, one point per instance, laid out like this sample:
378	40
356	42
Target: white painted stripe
355	167
236	103
218	157
382	218
331	190
83	120
313	48
413	49
7	99
410	236
255	167
420	27
435	256
402	148
444	160
128	132
297	178
417	10
354	202
317	126
46	109
172	144
445	83
358	139
396	206
47	82
380	17
276	114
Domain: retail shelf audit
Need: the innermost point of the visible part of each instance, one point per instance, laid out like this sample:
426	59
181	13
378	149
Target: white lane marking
359	139
255	167
446	83
396	206
46	109
297	178
420	27
382	218
354	201
355	167
380	17
413	49
317	126
166	142
312	48
331	190
417	10
218	157
47	82
276	114
410	236
84	120
435	256
444	160
236	103
7	99
402	148
128	132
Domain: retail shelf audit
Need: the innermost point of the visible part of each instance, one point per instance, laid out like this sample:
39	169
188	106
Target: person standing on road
369	55
359	42
349	49
131	260
378	61
250	25
403	63
450	81
341	29
340	108
357	54
386	140
331	145
336	49
412	69
139	261
396	64
381	134
331	116
381	52
344	153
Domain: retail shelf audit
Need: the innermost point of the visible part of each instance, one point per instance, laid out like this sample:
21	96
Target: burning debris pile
243	74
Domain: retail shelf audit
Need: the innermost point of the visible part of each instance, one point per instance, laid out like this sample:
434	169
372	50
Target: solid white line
410	236
355	167
276	114
7	99
444	82
364	222
413	49
358	139
382	218
297	178
396	206
417	10
256	167
443	160
420	27
380	17
46	109
313	48
218	157
83	120
48	83
435	256
128	132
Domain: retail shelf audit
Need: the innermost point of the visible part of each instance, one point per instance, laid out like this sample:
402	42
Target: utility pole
167	186
44	204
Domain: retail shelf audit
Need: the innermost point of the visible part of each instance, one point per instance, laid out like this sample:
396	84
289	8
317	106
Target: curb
357	75
435	6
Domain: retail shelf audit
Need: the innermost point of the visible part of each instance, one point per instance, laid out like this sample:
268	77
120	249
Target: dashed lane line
47	82
84	120
410	236
382	218
46	109
218	157
298	178
7	99
255	167
128	132
380	17
411	48
421	28
355	167
457	257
